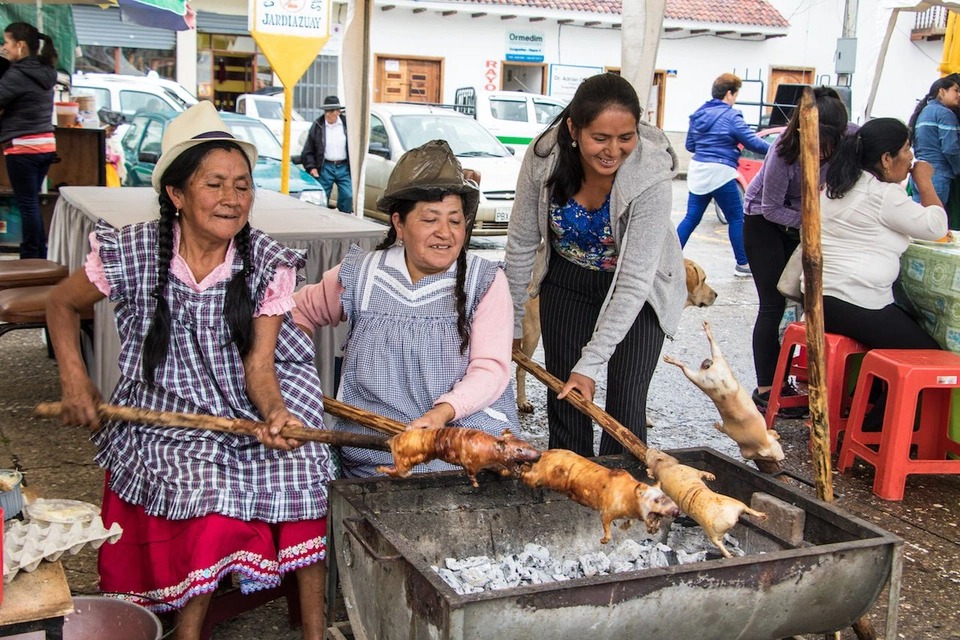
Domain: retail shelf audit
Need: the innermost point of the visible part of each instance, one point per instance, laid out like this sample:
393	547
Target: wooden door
788	75
407	79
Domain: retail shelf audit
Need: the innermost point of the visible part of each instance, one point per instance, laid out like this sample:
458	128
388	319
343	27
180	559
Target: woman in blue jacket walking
716	130
934	132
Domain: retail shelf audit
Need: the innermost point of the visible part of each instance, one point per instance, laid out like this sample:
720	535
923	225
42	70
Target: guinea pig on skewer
472	449
742	421
613	492
715	512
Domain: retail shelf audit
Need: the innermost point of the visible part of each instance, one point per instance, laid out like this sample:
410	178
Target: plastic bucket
98	617
67	113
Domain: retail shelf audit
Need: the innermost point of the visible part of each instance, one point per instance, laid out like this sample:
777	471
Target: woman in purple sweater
771	230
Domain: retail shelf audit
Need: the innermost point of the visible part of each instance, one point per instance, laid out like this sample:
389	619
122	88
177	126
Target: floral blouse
583	236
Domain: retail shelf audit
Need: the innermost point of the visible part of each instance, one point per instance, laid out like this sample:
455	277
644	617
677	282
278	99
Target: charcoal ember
473	561
627	551
480	575
594	564
570	569
621	566
658	558
684	557
451	579
534	555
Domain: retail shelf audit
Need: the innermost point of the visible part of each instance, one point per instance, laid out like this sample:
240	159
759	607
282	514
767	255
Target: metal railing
934	18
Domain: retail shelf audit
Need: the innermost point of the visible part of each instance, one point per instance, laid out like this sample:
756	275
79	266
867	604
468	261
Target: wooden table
324	235
36	601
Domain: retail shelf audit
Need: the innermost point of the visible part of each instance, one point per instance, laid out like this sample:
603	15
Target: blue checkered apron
184	473
403	350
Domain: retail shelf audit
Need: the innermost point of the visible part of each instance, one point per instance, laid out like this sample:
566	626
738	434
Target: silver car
396	128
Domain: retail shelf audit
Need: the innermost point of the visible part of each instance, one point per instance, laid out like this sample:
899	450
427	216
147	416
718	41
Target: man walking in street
325	154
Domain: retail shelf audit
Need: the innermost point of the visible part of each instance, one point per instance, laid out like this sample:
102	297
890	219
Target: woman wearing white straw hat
203	306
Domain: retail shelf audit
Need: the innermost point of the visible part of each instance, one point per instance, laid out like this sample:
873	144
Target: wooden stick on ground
607	422
215	423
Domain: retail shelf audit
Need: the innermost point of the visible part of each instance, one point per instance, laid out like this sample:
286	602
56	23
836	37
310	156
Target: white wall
465	44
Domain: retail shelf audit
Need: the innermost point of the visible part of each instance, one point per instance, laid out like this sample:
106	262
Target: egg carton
28	543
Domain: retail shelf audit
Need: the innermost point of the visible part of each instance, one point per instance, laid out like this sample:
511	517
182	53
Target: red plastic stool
839	349
907	372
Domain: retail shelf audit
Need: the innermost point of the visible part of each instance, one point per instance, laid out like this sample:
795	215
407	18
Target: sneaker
788	413
743	271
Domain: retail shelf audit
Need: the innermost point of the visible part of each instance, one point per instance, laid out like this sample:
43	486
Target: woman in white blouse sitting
867	222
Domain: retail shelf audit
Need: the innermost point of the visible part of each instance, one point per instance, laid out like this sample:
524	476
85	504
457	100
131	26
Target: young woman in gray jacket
590	234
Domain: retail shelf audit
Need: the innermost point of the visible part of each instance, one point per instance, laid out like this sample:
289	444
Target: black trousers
570	301
768	248
887	328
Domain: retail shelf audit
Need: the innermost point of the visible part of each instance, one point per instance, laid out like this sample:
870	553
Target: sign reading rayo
524	46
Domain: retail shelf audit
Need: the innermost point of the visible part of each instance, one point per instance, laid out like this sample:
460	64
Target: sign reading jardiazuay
301	18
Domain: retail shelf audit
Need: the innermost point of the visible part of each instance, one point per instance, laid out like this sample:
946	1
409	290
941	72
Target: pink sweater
491	335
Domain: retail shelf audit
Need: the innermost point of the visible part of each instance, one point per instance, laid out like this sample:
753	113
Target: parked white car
397	128
514	117
129	94
269	111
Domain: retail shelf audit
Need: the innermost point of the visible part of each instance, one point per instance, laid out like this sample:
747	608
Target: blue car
141	150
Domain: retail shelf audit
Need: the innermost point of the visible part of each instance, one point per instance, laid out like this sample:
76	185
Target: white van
129	94
269	111
515	118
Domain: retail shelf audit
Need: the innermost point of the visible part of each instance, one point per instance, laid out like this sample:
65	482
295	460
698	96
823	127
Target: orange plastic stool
907	372
838	351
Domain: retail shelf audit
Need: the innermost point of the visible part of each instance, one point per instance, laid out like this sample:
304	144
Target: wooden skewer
362	416
216	423
607	422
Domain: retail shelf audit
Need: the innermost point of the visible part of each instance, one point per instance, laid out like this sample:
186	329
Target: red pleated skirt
161	564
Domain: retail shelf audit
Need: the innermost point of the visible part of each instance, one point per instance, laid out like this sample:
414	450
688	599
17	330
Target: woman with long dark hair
26	129
771	231
591	236
935	135
867	221
203	303
430	323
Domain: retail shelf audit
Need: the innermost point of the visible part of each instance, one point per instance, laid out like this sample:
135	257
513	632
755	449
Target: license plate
502	215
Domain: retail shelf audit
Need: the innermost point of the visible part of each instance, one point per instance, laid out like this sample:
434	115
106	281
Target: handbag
789	283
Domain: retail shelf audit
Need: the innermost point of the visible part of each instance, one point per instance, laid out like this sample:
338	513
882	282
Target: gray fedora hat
428	172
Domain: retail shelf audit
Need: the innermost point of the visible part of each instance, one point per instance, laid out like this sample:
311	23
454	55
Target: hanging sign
290	33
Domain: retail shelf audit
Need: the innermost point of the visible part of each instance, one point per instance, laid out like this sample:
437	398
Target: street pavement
58	461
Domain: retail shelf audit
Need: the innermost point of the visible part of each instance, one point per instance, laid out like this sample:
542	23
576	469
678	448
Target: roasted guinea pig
716	513
472	449
613	492
742	421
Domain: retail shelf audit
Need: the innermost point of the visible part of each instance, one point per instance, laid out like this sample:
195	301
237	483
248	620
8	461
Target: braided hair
238	305
404	207
28	34
593	96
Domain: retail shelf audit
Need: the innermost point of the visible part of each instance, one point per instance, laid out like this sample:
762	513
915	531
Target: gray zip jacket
650	265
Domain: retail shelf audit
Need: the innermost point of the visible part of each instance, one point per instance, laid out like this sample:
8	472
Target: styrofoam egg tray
26	544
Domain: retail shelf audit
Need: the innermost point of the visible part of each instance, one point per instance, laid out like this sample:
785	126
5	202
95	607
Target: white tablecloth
324	234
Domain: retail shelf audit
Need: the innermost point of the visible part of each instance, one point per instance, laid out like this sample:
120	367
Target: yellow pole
287	117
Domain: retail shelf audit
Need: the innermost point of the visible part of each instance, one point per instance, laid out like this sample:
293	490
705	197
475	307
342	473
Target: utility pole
846	56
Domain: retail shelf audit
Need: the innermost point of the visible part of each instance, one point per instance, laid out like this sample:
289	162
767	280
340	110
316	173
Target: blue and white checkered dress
184	473
403	351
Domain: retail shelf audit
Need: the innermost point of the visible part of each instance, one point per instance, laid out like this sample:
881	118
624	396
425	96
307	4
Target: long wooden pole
215	423
607	422
361	416
813	291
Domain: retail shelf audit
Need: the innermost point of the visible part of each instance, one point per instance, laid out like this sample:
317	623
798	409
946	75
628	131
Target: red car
749	165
